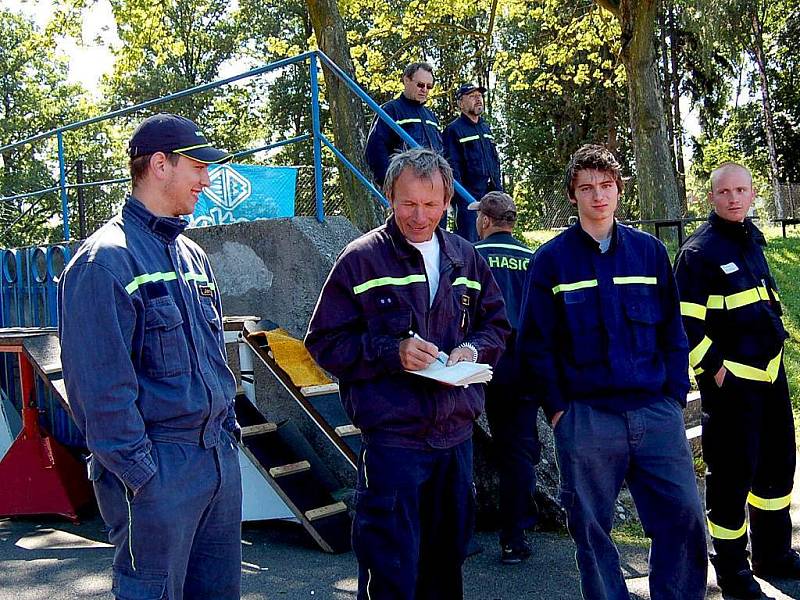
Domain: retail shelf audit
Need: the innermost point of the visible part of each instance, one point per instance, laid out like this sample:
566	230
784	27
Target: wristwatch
472	348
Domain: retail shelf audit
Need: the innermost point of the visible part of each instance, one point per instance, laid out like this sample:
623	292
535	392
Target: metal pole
316	137
81	200
62	178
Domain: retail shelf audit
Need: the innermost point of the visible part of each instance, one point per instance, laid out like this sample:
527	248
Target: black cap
498	205
468	88
165	132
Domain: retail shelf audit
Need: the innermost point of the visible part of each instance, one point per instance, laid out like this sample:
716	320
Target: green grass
783	256
630	533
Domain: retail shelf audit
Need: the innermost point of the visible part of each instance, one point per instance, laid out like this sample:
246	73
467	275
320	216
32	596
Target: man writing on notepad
414	503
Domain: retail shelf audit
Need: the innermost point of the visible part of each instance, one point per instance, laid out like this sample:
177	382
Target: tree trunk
655	175
680	166
347	115
757	52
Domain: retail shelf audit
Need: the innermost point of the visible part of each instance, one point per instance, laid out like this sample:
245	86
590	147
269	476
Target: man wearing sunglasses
409	112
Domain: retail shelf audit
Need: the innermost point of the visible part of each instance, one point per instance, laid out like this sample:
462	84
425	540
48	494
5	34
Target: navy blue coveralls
416	119
414	502
470	149
143	354
732	314
511	411
602	334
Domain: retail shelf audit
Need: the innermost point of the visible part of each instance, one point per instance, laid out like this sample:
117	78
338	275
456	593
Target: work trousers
414	515
515	444
646	448
179	537
749	450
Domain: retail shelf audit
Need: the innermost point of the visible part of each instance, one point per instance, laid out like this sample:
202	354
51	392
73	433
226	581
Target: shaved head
728	167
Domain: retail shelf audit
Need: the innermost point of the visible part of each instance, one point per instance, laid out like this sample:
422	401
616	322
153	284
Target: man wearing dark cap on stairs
143	355
470	149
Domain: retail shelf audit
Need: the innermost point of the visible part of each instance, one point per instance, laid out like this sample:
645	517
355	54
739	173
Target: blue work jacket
471	151
603	328
142	344
416	119
508	259
375	295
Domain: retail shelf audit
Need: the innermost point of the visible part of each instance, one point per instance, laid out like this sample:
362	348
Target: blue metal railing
316	135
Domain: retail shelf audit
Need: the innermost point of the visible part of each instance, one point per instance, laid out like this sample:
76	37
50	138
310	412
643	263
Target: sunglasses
422	86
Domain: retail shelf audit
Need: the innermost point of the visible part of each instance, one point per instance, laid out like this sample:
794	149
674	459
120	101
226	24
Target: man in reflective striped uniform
470	149
600	331
409	111
143	353
510	407
396	297
732	316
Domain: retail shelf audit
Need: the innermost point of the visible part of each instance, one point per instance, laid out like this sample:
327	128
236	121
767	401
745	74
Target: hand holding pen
416	353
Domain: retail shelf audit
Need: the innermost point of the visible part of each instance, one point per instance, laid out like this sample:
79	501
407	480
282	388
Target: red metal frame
37	474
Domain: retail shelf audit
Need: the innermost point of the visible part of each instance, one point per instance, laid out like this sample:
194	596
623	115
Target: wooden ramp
321	403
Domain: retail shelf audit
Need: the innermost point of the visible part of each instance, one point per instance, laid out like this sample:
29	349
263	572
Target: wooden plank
326	511
694	432
258	429
319	390
51	368
345	430
289	469
692	396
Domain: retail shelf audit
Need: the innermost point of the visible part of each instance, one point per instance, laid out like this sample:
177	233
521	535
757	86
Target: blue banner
245	193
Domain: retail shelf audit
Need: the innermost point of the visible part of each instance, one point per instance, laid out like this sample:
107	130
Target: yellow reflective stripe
578	285
762	293
775	293
740	299
746	371
488	136
469	138
199	278
636	279
699	351
475	285
697	371
206	145
768	375
716	302
171	276
434	123
404	121
722	533
149	278
690	309
381	281
769	503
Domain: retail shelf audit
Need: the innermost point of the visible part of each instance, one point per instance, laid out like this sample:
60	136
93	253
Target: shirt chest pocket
164	352
394	321
586	337
643	311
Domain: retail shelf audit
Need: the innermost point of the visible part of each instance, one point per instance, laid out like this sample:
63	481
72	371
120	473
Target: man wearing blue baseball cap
471	151
143	356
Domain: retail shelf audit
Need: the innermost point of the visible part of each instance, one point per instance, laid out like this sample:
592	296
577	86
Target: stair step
259	429
51	368
319	390
326	511
345	430
290	469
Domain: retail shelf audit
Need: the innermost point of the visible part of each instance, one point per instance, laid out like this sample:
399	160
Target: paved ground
56	560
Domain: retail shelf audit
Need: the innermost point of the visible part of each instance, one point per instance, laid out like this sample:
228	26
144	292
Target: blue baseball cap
468	88
165	132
